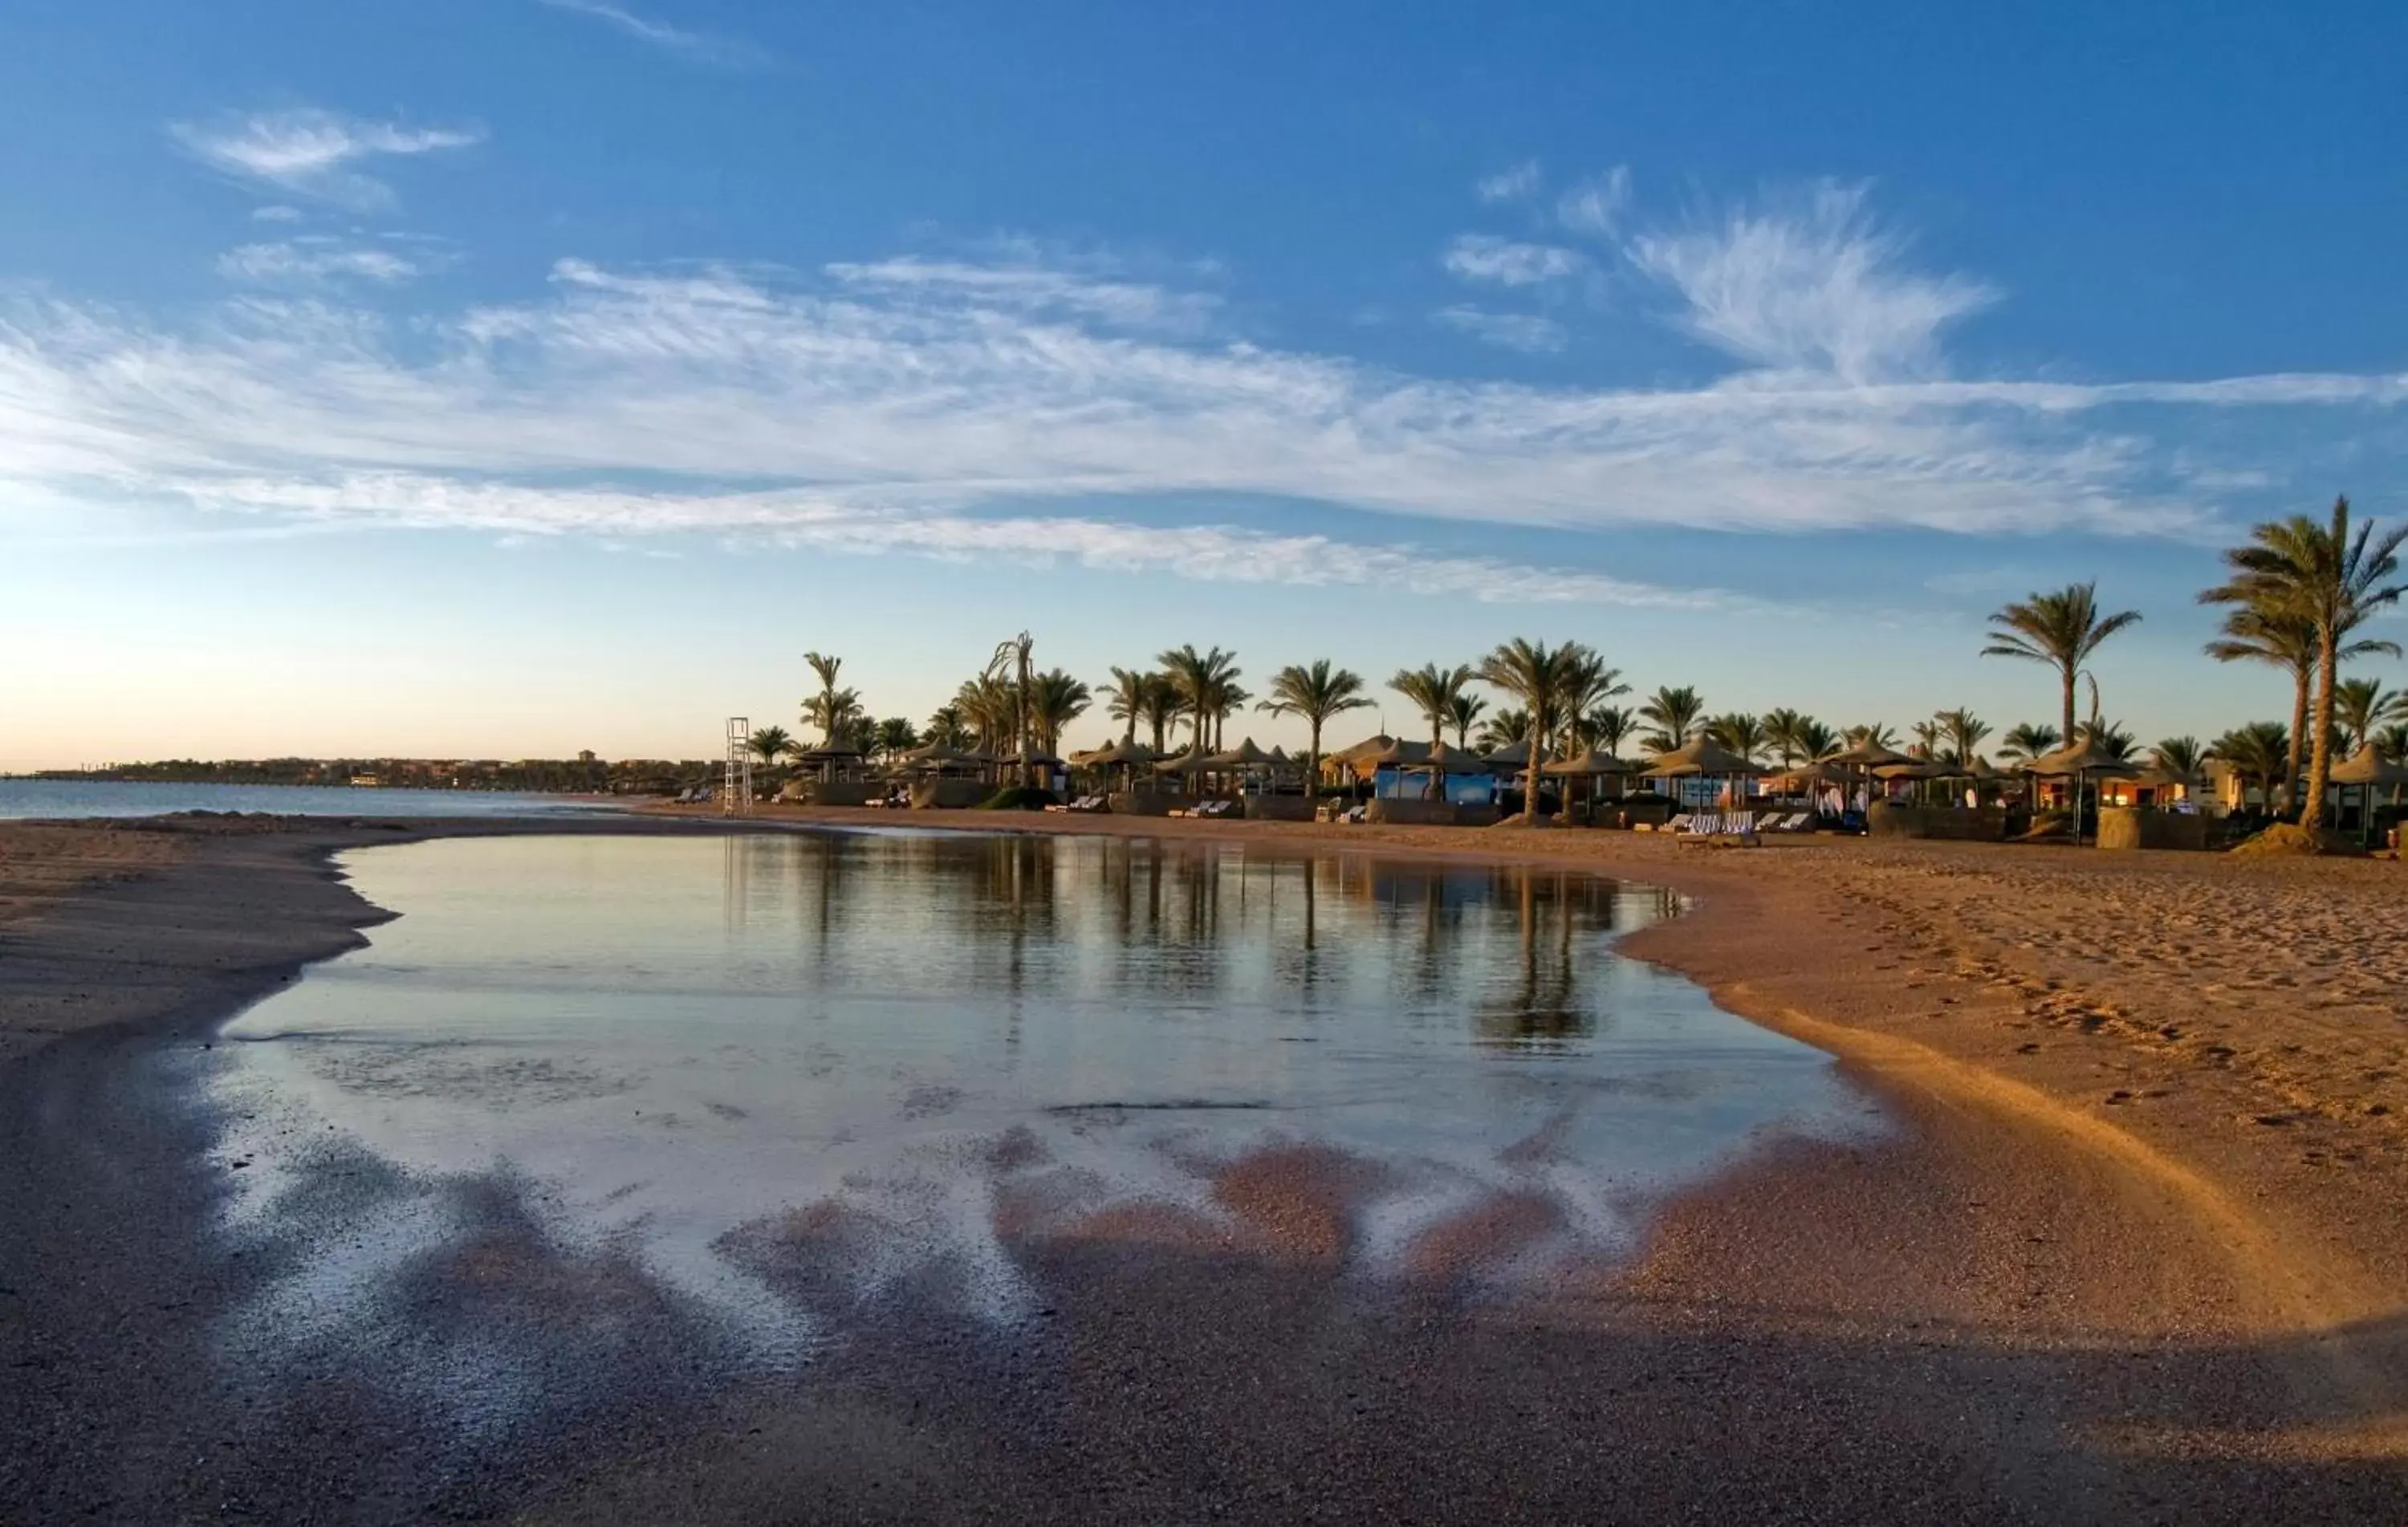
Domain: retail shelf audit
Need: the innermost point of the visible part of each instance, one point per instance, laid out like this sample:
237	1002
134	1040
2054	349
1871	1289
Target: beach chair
1678	823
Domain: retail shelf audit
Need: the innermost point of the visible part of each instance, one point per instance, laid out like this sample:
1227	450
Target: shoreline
2015	1213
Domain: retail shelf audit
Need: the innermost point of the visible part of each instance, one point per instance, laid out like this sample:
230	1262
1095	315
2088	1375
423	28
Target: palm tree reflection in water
1499	949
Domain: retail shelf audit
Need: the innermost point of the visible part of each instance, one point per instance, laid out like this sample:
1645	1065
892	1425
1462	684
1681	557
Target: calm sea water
61	799
904	1054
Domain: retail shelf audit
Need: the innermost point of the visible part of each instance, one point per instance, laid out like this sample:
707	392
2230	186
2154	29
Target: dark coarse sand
2013	1310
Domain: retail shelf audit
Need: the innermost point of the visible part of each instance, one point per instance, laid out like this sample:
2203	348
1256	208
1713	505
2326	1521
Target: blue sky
507	377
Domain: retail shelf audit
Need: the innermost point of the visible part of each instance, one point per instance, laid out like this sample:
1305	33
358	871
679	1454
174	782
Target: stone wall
1889	819
1403	812
949	795
1278	808
2139	827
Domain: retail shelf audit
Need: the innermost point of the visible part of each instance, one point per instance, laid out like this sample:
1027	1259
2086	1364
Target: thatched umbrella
2367	771
1590	765
1702	759
2078	762
1187	764
1244	756
1865	755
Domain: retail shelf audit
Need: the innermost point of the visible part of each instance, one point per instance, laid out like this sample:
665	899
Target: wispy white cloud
311	153
1510	185
1813	285
1034	288
310	261
1595	205
952	407
277	214
699	47
1504	262
1527	332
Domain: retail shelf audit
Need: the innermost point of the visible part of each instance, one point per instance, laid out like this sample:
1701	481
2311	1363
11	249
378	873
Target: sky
506	378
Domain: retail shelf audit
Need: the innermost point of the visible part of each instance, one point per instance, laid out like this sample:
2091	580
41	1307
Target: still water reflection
713	1053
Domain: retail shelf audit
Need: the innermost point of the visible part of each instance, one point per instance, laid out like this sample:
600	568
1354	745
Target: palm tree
2260	632
2362	705
1504	727
834	713
2321	573
991	706
1591	688
1818	741
1541	679
1314	695
1125	698
2107	736
1010	667
1963	731
2257	754
1158	707
1606	726
770	743
1430	690
1781	734
1461	714
2029	740
948	728
2391	743
2062	629
896	736
2180	754
1207	686
826	711
1927	739
1741	733
1675	714
1871	734
1055	700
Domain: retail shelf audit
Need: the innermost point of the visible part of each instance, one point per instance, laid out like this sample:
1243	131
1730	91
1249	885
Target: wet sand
2105	1273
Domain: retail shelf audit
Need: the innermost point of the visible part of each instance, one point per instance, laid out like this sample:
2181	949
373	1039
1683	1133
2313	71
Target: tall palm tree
2029	740
2260	631
1010	667
991	706
1872	734
1541	679
2180	754
1462	713
2062	629
770	743
1055	700
1741	733
1430	690
1816	740
1314	694
2257	754
2322	573
1963	731
1675	714
1125	698
2362	705
1926	737
2391	743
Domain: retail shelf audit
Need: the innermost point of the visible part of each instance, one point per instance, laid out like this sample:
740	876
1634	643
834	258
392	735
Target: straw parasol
1806	776
937	757
2078	761
2367	771
1865	755
1193	761
1244	756
1701	759
1587	761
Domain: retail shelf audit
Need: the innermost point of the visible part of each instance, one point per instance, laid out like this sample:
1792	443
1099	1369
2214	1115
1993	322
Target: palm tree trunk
1530	774
2300	680
1312	773
2311	810
2069	677
1437	777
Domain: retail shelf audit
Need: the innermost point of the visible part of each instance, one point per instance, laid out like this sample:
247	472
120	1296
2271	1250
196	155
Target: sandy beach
2132	1255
